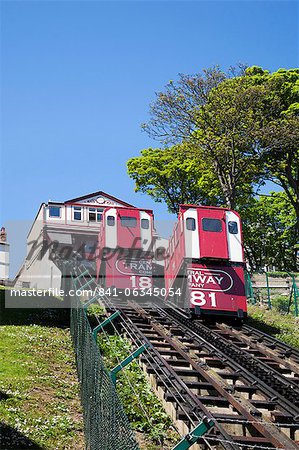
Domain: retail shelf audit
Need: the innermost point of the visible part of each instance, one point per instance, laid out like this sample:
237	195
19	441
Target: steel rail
272	342
261	351
268	430
169	377
285	391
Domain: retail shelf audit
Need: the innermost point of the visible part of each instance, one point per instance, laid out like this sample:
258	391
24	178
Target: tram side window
190	224
145	224
110	221
127	221
233	227
214	225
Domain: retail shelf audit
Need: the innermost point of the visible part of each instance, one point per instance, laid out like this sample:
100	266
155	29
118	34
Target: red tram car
124	256
205	261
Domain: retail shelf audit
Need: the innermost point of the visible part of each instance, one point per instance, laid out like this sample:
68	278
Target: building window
90	247
190	224
77	213
54	211
233	227
214	225
129	222
95	214
145	224
110	221
99	214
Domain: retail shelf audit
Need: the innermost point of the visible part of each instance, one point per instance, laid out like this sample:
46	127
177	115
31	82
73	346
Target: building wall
67	216
39	274
36	272
42	273
35	233
4	261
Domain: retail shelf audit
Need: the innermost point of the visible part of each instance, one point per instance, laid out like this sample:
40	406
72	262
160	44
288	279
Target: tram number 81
199	298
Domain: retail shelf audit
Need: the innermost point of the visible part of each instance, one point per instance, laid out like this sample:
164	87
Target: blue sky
77	79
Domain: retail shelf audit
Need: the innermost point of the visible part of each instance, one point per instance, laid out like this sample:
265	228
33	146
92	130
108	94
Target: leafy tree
173	175
231	136
226	135
216	116
238	126
173	114
279	134
268	229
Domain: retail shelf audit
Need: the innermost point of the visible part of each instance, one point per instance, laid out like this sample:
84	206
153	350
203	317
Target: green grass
39	392
282	326
147	416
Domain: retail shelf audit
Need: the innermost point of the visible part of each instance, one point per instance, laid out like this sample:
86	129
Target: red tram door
212	234
128	229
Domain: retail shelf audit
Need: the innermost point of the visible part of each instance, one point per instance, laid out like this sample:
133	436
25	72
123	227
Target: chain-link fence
105	422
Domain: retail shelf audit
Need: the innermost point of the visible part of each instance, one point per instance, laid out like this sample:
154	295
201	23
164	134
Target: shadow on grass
262	326
4	396
10	438
45	311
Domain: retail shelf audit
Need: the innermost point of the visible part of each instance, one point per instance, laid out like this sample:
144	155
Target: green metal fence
249	289
269	295
105	422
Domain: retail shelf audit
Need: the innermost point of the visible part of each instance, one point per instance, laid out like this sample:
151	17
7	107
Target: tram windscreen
127	221
214	225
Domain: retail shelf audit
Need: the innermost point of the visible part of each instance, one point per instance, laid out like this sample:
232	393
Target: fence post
192	437
296	296
268	290
249	288
104	323
126	361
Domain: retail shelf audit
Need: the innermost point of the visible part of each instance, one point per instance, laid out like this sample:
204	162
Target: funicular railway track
271	352
284	350
286	386
251	406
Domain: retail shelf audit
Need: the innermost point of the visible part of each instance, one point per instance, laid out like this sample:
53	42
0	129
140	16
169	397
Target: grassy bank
153	427
39	401
282	326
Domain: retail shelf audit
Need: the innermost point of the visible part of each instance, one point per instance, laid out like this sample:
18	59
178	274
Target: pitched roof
99	194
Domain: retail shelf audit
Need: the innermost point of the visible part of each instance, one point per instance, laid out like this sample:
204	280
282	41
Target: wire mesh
105	422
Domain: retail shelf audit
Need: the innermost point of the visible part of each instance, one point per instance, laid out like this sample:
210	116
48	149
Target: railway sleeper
220	402
261	371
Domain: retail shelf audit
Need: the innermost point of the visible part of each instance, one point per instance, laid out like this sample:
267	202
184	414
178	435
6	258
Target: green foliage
174	176
232	134
269	232
143	408
56	316
278	137
226	132
173	114
284	327
282	274
282	303
95	309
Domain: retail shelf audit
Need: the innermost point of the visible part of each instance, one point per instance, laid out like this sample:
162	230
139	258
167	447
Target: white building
4	256
59	229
